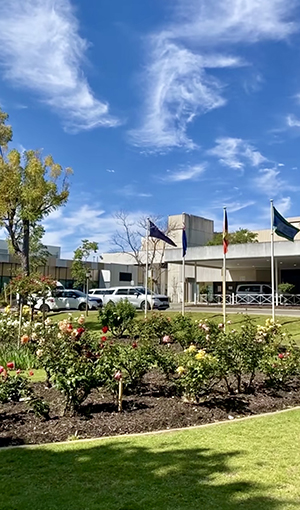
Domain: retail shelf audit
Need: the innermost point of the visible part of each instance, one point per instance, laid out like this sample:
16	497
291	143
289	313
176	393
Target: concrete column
195	285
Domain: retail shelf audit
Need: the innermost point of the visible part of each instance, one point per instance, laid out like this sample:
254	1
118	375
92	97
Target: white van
253	294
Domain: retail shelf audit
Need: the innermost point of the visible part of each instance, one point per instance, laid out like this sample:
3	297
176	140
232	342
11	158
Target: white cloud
235	153
110	171
235	21
292	121
129	191
190	173
283	205
178	89
201	36
68	226
269	183
41	49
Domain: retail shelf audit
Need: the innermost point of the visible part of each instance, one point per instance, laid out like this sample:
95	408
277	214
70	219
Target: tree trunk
25	248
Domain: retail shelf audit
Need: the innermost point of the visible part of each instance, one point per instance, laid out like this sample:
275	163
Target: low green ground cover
290	324
251	465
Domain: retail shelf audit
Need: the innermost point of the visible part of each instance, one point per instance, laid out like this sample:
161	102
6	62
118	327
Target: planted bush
154	327
197	372
117	317
68	355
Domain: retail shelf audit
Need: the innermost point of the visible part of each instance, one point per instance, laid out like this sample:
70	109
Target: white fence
250	299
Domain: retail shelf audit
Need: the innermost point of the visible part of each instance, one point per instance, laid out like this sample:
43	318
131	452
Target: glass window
125	277
266	289
122	292
133	292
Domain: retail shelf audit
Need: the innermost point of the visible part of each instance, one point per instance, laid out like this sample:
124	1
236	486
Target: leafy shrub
69	357
279	365
12	388
154	327
185	330
197	371
133	361
117	317
239	354
40	408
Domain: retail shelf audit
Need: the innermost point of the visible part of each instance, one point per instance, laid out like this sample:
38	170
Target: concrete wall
264	236
198	230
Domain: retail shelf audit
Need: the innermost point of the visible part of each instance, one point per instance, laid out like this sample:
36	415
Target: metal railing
250	299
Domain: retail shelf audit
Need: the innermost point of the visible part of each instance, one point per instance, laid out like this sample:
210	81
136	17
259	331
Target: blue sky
159	106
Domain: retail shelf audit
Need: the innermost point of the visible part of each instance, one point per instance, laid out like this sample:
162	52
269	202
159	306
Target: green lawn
247	465
290	324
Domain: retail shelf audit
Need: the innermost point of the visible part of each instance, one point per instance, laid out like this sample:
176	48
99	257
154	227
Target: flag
155	232
225	233
1	153
282	227
184	242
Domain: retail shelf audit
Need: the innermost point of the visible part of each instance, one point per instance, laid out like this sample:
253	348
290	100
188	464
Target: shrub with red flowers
280	364
117	318
69	356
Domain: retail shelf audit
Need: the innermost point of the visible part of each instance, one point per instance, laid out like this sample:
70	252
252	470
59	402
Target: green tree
38	252
28	193
240	236
81	254
31	187
5	130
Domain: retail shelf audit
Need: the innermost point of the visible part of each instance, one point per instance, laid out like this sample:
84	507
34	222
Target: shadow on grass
126	476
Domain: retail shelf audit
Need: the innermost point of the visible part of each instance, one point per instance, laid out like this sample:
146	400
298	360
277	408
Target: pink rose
118	375
166	339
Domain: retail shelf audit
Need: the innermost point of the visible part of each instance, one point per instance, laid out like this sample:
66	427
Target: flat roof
248	255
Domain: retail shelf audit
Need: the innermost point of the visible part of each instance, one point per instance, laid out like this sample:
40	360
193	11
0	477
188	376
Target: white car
135	295
68	300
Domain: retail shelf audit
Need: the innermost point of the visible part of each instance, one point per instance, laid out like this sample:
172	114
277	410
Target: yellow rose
200	355
192	348
180	370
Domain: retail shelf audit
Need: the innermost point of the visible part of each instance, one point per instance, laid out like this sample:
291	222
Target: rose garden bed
155	407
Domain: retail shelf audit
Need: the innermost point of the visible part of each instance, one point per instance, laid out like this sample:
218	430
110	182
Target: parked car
68	300
253	293
135	295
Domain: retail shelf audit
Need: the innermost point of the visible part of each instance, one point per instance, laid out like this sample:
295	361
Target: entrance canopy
251	255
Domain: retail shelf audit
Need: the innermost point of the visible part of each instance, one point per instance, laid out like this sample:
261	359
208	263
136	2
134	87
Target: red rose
31	372
11	365
103	339
69	327
281	355
105	329
80	331
134	345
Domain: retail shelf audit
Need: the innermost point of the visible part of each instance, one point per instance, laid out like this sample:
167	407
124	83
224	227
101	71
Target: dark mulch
154	408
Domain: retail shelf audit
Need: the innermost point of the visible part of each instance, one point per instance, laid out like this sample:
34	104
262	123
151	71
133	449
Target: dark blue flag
282	227
184	242
155	232
1	153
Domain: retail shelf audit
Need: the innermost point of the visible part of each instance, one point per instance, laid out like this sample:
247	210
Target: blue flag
1	153
184	242
158	234
282	227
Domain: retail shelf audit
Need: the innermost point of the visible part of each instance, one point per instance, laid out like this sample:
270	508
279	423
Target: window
125	277
266	289
122	292
133	292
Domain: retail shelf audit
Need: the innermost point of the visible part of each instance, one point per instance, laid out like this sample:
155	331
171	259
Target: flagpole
146	276
224	279
272	260
183	285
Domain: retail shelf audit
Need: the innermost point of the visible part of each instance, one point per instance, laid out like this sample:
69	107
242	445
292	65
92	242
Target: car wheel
44	308
143	306
82	307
